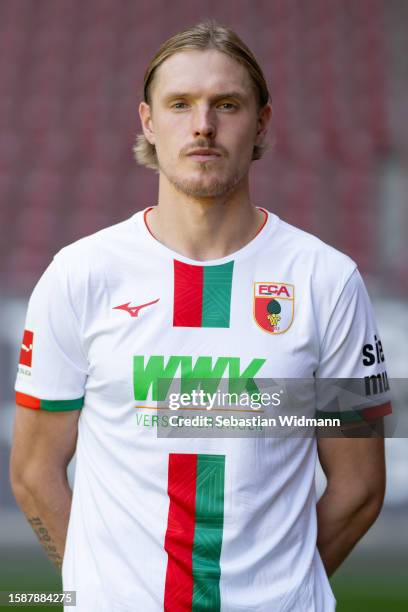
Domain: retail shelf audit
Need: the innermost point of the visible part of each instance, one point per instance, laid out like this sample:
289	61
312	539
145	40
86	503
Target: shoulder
89	257
89	247
312	257
81	271
308	244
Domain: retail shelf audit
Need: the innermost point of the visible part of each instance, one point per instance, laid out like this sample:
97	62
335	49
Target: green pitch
388	593
30	571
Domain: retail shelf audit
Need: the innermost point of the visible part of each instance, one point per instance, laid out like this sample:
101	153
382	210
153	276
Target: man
204	285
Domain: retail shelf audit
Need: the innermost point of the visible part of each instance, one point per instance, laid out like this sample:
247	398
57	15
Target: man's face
202	99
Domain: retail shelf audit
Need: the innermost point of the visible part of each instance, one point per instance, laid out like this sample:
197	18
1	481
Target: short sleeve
352	377
52	368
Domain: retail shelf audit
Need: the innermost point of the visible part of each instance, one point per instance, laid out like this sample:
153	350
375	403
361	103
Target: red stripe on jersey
182	480
188	295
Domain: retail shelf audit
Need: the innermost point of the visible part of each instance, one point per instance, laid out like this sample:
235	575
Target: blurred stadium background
71	75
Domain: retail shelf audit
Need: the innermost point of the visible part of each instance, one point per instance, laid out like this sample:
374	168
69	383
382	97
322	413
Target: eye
177	104
228	105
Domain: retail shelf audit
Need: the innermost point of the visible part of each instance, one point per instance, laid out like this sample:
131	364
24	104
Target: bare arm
43	445
352	500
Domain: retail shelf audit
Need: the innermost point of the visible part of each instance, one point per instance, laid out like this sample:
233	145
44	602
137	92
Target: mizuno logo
27	348
134	310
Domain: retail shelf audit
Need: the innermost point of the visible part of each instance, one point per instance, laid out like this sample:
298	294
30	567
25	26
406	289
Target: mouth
203	158
201	154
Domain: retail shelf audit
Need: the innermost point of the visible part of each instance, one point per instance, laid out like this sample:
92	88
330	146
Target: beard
205	185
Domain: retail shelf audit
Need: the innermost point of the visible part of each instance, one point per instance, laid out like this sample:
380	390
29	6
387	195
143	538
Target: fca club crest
274	306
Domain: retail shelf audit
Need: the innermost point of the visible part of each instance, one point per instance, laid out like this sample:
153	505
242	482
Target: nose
204	123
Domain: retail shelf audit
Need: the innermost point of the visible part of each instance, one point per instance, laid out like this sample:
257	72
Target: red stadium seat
71	76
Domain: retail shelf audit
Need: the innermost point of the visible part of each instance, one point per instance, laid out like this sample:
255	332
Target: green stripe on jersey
217	295
209	522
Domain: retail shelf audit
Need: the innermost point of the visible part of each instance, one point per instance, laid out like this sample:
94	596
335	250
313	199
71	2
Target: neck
204	229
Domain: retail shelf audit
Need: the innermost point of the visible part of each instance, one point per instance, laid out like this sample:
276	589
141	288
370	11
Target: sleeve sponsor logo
376	383
26	352
373	355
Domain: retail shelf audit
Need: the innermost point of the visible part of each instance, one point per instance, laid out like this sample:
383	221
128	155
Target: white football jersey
196	523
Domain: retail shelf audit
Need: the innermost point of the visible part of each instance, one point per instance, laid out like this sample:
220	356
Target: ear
147	122
264	117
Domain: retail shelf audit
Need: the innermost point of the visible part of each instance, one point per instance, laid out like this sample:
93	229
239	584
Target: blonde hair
206	35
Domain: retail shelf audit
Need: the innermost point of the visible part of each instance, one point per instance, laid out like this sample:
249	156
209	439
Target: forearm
341	523
47	506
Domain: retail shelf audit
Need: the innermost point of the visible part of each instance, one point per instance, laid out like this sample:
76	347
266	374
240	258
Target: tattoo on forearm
46	540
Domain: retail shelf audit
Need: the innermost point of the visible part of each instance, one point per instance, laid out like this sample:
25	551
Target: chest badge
274	306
